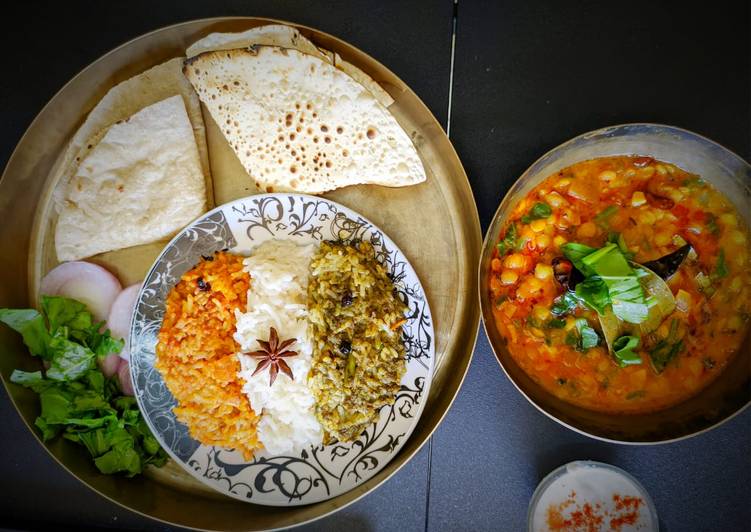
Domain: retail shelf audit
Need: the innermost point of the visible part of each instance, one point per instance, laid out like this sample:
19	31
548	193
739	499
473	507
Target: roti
120	102
287	37
296	123
141	182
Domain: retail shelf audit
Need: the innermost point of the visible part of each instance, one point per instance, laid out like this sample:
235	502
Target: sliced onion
88	283
121	313
109	364
123	374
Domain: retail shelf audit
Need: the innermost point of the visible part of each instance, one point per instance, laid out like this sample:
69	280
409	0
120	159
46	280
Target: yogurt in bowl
591	496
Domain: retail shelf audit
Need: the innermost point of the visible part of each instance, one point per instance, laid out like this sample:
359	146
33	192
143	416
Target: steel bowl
724	398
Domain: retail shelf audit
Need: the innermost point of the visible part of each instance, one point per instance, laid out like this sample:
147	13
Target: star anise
272	355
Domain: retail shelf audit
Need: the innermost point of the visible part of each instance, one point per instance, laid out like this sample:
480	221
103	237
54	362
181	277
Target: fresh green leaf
617	239
30	379
628	299
57	404
623	350
70	360
564	304
91	400
125	402
95	381
509	240
589	336
538	211
622	288
66	312
607	261
721	268
594	292
122	457
63	312
30	324
96	441
48	431
103	344
575	252
76	400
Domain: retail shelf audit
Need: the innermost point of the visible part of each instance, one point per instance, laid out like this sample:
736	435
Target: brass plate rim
489	236
472	221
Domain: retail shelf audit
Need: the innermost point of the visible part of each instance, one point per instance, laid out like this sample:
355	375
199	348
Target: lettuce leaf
30	324
76	400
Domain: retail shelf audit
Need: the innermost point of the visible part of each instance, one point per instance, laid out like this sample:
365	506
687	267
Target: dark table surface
526	76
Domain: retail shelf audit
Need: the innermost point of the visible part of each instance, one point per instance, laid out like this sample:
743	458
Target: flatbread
296	123
140	183
287	37
122	101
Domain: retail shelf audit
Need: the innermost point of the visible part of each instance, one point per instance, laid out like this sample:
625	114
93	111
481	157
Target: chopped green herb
663	353
521	243
617	239
564	304
572	338
693	182
538	211
638	394
509	240
589	337
555	324
721	268
666	349
712	226
623	349
603	218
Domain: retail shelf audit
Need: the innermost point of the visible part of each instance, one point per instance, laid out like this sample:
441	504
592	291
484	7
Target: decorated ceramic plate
302	474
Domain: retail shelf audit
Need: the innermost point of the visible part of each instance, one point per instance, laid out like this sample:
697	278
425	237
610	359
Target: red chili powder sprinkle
589	518
631	507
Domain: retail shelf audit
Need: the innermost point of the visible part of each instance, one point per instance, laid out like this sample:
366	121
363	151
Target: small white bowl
593	483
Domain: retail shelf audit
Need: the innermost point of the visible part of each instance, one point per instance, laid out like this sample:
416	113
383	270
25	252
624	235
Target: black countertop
526	76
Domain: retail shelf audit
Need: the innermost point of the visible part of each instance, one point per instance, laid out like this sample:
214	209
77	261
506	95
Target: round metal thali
442	242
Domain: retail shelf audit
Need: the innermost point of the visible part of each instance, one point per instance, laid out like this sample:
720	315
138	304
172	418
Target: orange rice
196	354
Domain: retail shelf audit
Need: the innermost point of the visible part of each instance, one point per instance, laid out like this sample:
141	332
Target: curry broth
656	208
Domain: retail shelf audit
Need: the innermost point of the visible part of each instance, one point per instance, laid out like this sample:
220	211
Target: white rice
278	298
